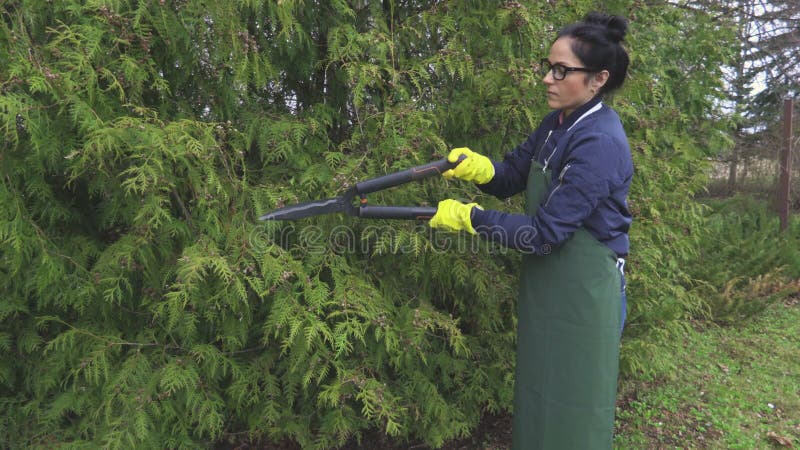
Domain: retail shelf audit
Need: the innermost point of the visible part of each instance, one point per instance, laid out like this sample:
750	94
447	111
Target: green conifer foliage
144	306
671	111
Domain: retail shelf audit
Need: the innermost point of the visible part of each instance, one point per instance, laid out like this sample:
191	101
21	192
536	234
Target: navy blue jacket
592	168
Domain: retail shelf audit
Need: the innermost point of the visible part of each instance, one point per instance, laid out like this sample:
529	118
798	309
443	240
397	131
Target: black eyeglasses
560	71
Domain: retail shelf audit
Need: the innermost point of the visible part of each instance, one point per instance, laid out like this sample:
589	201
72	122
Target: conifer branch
103	339
186	214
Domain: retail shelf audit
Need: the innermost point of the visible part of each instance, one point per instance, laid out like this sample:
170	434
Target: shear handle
406	176
397	212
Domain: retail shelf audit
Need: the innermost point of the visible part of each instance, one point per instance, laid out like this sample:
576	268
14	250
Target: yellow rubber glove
453	215
476	167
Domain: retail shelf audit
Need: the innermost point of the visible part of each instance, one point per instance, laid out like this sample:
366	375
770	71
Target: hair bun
616	26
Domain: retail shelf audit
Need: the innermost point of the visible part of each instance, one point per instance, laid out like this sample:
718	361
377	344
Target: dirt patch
684	428
493	433
793	300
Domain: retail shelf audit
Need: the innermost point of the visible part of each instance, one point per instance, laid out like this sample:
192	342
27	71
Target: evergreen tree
143	305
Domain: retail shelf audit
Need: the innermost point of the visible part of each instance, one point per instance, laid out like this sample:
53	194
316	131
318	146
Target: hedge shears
346	202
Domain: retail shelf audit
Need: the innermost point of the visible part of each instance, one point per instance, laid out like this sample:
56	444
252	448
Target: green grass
736	387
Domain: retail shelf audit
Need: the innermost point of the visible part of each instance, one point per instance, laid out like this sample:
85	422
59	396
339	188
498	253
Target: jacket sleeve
586	178
511	174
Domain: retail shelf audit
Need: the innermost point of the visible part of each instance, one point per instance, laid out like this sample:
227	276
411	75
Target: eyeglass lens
558	71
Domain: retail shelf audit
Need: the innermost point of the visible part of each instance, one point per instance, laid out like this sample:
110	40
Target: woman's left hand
453	215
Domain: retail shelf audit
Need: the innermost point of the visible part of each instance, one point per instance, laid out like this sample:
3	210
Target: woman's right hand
475	167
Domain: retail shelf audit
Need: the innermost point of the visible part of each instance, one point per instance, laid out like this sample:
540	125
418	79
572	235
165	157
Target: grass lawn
736	387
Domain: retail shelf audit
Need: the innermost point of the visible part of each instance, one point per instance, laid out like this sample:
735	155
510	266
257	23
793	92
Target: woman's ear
598	80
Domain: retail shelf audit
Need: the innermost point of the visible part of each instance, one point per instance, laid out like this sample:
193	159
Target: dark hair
597	44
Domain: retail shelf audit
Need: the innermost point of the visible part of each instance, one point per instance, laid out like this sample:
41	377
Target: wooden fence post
784	185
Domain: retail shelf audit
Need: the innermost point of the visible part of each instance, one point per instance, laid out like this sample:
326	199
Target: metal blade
308	209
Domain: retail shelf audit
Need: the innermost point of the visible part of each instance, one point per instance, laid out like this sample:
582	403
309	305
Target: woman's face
577	87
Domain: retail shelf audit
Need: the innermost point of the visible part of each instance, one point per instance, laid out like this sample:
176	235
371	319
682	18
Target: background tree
144	305
764	72
776	55
774	62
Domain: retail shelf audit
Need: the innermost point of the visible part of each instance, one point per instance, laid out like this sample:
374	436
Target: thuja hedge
142	304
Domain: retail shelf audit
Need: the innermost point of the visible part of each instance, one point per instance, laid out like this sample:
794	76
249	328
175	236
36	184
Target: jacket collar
582	111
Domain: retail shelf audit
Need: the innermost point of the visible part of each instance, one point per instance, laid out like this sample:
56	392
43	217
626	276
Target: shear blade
308	209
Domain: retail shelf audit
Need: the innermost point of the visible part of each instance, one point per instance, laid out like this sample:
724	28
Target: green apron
567	341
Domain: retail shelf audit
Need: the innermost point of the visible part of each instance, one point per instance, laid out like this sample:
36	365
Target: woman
576	170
